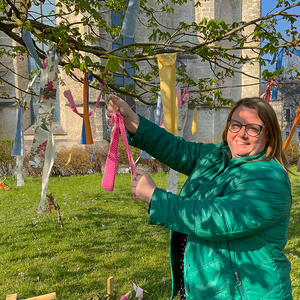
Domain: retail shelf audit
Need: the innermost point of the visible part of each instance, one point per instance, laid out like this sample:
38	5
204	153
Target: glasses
251	129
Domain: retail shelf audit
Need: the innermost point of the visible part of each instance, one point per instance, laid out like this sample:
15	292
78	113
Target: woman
229	223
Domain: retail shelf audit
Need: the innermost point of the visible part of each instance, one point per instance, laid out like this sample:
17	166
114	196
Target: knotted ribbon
267	94
108	180
86	136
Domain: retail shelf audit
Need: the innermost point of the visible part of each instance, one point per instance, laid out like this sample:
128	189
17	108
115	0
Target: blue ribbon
279	65
18	144
130	18
26	36
92	158
83	135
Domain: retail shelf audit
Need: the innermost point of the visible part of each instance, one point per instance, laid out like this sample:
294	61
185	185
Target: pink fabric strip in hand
108	180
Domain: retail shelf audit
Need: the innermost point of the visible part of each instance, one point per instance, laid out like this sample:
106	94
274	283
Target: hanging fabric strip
19	170
158	110
18	144
182	115
49	161
295	124
279	59
151	119
47	99
178	95
267	94
72	104
26	97
83	131
86	137
166	65
131	15
194	124
26	36
108	180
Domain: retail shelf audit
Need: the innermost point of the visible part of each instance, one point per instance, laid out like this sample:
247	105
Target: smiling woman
229	223
245	141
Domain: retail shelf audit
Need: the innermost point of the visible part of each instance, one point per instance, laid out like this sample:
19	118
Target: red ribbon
267	94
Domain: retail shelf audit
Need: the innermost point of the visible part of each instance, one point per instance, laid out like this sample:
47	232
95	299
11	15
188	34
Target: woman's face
240	143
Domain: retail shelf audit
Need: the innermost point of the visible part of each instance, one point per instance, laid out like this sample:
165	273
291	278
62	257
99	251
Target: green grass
106	234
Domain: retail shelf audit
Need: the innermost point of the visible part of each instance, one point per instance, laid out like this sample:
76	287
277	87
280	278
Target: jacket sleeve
171	150
250	207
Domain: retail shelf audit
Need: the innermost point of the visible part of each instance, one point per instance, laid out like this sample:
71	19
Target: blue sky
267	7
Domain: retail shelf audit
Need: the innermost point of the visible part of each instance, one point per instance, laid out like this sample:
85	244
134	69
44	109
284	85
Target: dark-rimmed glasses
251	129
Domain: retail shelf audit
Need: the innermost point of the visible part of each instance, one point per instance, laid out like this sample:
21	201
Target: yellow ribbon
194	124
166	65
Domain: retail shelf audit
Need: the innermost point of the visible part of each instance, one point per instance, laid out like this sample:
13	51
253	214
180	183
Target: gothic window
287	114
42	13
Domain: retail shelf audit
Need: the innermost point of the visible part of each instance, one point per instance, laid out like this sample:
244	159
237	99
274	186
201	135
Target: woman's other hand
131	119
143	185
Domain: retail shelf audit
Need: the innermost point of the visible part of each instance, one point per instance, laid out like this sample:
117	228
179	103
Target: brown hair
268	116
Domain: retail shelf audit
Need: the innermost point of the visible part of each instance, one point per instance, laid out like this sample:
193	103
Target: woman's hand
131	119
143	185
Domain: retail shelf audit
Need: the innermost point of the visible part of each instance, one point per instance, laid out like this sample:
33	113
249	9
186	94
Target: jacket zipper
240	286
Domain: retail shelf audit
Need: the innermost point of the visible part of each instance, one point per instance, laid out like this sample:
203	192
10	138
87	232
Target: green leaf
113	64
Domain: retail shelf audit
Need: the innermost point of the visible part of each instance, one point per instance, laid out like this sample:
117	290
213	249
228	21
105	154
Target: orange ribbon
86	119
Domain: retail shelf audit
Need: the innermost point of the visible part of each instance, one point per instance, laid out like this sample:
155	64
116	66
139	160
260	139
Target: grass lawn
106	234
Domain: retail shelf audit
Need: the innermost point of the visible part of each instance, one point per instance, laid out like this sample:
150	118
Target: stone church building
67	125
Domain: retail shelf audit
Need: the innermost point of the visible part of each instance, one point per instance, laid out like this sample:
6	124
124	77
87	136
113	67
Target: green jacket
235	213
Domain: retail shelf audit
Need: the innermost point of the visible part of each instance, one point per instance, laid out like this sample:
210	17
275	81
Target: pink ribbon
69	96
108	180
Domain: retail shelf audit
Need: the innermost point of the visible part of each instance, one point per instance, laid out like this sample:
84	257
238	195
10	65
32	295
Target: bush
80	161
293	153
7	161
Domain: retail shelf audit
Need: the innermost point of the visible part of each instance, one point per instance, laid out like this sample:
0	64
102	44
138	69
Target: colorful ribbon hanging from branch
86	137
46	100
166	65
194	124
108	180
295	124
267	94
48	164
85	116
131	15
158	110
43	150
26	36
278	66
19	141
